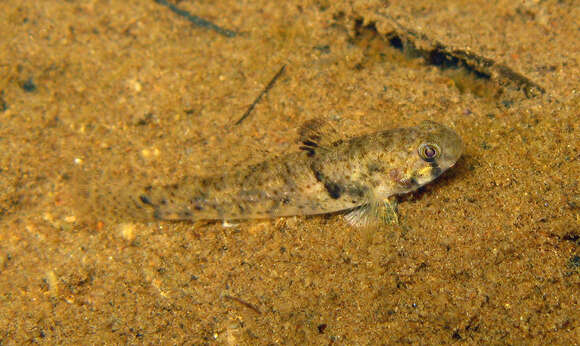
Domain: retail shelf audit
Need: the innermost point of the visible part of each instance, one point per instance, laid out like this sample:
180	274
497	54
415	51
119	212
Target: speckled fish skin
320	179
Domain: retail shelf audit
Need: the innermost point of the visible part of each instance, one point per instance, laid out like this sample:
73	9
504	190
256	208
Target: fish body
326	176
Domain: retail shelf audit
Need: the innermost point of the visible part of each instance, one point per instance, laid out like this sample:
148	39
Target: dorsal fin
315	133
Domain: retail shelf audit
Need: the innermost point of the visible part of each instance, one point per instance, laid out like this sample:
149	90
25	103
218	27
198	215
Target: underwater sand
97	97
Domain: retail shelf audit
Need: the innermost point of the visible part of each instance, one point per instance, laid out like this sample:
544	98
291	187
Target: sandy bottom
98	98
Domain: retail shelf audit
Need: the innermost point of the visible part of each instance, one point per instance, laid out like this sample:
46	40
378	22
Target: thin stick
266	89
197	20
244	303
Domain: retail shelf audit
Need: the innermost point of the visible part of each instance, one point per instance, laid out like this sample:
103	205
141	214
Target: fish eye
429	151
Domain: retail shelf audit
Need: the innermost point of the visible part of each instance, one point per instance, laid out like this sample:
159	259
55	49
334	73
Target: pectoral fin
381	212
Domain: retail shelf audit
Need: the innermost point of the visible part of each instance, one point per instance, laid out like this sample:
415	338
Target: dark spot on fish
574	262
373	167
198	207
136	204
29	86
310	152
310	143
334	190
145	200
319	177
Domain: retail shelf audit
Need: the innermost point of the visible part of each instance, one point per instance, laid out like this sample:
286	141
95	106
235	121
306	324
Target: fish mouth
427	174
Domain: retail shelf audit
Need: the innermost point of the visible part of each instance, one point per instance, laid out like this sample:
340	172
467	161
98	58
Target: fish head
431	149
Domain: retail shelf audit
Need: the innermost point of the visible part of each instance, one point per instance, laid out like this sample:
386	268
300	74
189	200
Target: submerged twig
244	303
197	20
266	89
482	66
